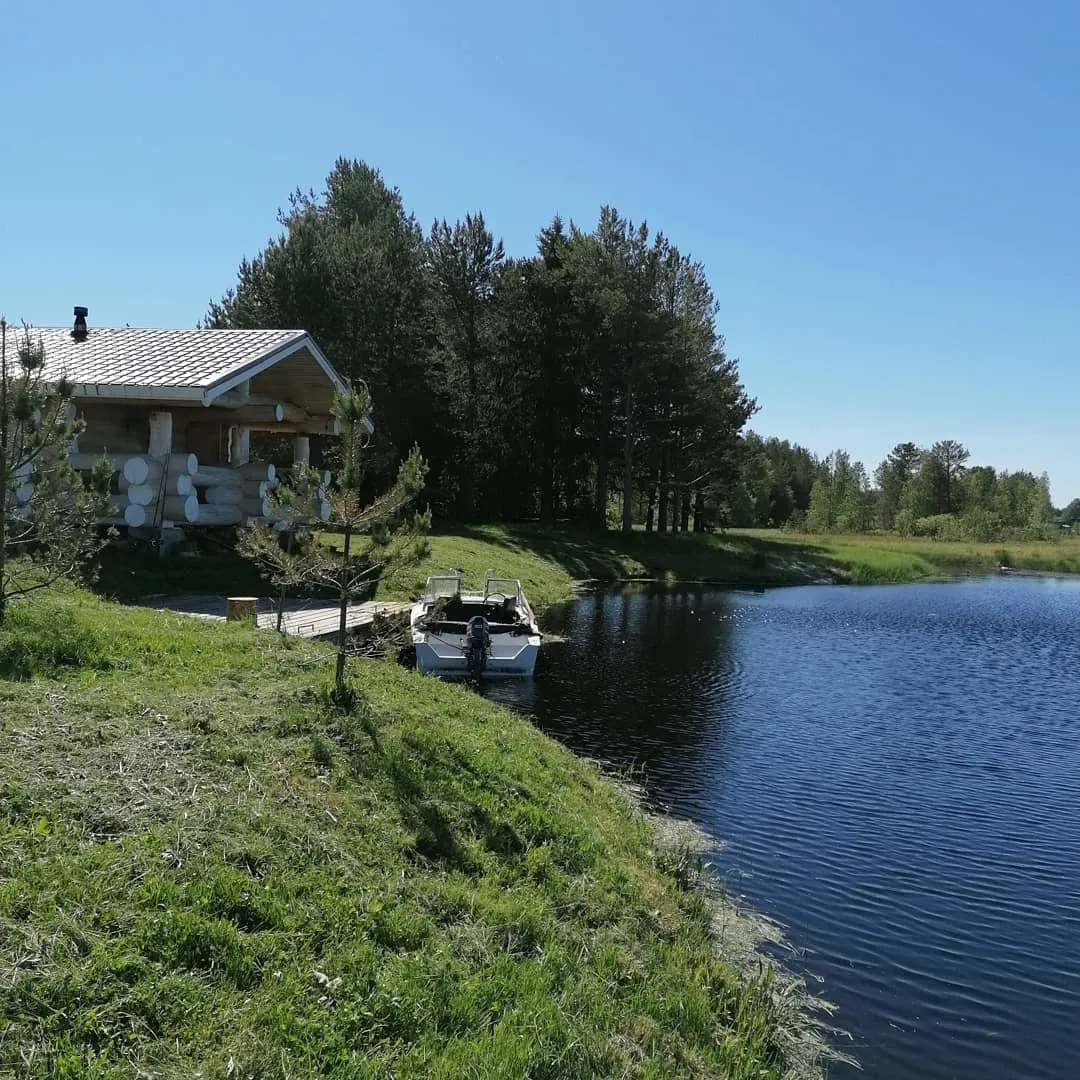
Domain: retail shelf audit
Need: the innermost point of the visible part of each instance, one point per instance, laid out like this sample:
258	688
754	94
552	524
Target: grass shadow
609	555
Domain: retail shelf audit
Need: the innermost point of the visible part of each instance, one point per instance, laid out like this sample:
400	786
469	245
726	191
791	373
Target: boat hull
514	659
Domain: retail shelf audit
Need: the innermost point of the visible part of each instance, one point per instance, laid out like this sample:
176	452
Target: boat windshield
507	587
445	585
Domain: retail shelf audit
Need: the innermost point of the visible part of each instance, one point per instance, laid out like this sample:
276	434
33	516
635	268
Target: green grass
883	558
206	870
549	561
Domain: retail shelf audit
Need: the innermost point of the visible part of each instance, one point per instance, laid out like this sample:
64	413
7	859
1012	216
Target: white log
135	467
301	454
160	434
225	494
152	478
327	477
260	414
181	463
136	470
174	485
182	507
255	489
313	425
256	507
324	510
251	471
220	514
239	398
239	445
141	494
134	515
217	475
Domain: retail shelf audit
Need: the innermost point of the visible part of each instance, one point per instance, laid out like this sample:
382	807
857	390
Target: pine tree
48	516
378	538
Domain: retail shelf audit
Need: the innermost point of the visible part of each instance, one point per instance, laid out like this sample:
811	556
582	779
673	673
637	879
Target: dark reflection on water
896	772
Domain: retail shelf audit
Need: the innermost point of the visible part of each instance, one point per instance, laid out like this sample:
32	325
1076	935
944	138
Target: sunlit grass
885	557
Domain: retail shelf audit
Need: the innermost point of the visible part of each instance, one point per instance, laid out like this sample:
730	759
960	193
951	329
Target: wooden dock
304	618
314	622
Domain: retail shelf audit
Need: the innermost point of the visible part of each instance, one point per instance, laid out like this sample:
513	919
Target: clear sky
886	193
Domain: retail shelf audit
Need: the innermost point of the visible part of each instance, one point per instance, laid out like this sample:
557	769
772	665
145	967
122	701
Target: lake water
896	774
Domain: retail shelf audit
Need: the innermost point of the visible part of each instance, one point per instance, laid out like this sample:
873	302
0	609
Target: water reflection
896	774
649	670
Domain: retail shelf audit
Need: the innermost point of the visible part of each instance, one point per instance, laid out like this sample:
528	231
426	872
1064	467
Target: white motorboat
474	634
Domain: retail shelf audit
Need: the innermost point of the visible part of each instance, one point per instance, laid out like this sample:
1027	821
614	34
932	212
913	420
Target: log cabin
165	393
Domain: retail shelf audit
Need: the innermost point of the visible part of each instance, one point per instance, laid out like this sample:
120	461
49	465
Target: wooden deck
316	622
304	618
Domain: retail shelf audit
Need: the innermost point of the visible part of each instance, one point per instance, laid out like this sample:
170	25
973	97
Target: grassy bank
550	560
207	870
882	558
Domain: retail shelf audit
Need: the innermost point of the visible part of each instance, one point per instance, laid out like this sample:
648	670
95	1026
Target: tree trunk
600	505
650	513
699	511
684	523
676	487
339	676
665	491
628	463
547	490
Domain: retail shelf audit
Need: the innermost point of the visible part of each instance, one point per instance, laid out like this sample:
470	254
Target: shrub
939	527
982	525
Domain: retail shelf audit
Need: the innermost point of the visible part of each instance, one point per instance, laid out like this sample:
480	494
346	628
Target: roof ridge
172	329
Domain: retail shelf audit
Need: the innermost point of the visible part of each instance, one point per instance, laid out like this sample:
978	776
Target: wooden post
69	417
241	608
301	452
239	446
160	434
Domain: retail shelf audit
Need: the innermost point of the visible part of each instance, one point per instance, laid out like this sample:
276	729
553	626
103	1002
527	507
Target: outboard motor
477	644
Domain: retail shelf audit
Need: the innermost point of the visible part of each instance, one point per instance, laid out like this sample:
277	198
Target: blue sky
885	192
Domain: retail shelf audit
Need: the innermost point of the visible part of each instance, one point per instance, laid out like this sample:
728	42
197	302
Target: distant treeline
915	491
581	382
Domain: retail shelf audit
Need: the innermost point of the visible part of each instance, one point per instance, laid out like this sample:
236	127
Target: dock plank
322	621
302	618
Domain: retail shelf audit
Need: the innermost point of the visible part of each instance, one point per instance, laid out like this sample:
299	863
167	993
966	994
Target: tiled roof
158	360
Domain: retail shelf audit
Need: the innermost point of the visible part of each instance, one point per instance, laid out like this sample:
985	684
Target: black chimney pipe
79	331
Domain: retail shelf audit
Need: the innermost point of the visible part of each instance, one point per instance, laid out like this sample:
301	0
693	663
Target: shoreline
741	933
